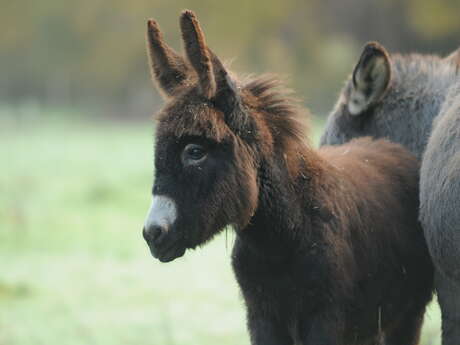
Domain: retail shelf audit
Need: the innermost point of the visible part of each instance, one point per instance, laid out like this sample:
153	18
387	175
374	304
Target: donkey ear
167	67
454	57
371	78
198	53
228	97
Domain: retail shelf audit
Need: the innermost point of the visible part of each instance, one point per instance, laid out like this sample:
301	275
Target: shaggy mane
283	112
429	71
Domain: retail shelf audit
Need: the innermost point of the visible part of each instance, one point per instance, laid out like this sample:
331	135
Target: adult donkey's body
415	100
328	247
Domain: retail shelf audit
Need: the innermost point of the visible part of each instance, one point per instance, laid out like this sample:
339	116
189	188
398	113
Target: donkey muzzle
164	244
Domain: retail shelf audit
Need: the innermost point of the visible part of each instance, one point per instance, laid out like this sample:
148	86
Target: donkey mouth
167	254
172	254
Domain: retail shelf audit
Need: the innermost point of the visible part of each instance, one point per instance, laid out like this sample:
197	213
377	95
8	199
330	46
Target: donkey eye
193	154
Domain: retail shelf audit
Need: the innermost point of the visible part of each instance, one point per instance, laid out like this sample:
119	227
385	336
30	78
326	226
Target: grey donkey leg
449	300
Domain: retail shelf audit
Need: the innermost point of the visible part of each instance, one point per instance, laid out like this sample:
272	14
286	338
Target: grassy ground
74	268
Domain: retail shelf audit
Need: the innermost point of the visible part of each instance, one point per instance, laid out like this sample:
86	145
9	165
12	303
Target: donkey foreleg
325	328
266	331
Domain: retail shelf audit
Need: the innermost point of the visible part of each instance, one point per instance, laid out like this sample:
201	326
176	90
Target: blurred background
76	145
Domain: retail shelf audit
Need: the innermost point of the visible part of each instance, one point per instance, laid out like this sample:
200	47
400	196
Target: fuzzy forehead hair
190	116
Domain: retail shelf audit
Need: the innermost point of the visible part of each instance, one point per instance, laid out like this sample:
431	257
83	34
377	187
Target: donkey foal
328	247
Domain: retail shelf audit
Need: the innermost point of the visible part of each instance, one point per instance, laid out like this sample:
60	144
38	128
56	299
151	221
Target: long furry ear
197	52
454	57
227	96
168	68
228	99
371	78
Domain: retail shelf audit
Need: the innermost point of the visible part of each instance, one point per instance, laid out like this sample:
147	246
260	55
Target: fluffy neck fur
288	170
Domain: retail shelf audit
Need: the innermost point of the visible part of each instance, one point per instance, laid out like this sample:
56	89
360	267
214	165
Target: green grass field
74	268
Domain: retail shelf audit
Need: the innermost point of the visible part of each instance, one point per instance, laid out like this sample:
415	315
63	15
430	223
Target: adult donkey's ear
454	57
198	53
168	68
371	78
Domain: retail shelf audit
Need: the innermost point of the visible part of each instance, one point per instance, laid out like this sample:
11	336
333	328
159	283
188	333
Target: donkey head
391	96
206	148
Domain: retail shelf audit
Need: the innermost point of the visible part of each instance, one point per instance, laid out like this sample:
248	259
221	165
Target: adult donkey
329	249
415	100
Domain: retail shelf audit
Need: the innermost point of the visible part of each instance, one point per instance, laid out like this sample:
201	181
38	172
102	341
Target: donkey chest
276	287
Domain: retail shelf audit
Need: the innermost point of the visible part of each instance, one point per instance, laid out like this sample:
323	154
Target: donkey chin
166	246
160	230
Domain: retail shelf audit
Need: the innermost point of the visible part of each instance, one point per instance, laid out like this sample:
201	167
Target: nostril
156	232
152	233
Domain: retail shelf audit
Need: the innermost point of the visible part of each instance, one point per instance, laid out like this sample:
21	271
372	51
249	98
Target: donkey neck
286	207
